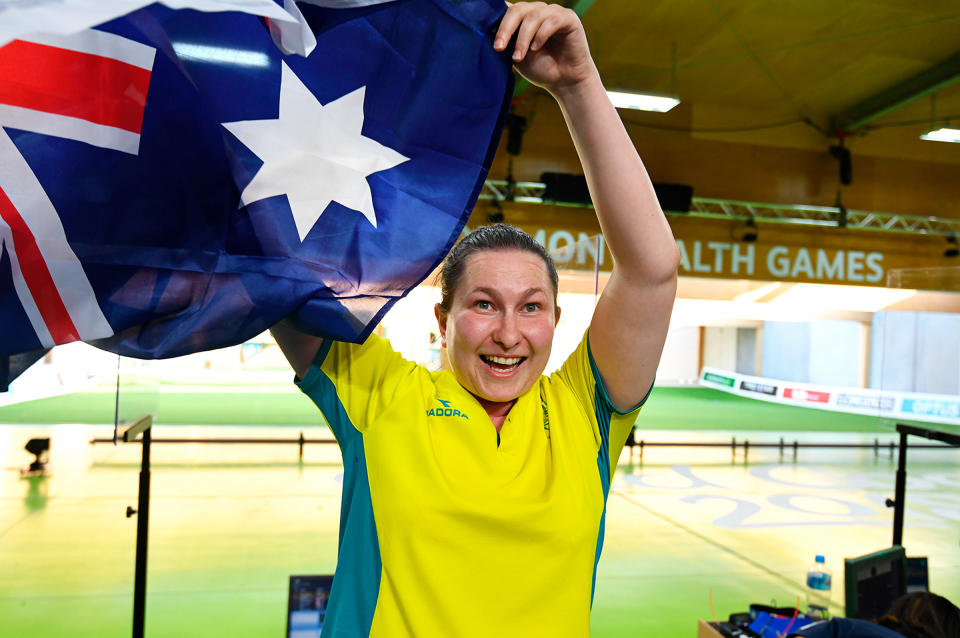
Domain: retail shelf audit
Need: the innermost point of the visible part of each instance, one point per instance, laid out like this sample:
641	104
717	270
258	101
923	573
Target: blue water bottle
819	580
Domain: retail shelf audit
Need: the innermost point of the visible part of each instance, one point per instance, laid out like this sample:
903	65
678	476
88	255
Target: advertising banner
892	405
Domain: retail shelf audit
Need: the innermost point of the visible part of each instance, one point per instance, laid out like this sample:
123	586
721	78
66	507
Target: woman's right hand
551	46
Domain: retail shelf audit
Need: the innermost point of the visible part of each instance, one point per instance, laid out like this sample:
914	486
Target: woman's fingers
508	24
528	29
533	23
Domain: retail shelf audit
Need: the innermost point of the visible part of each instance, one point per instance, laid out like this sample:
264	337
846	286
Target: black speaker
675	198
572	189
566	188
516	126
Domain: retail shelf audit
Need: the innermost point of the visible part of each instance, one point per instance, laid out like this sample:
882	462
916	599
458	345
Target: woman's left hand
551	49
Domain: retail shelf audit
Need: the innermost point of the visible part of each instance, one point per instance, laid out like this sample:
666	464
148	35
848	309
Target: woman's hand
551	49
632	316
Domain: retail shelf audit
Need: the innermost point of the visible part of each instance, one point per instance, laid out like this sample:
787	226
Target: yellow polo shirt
447	529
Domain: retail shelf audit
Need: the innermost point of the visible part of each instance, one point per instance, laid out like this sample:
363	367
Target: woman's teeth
502	363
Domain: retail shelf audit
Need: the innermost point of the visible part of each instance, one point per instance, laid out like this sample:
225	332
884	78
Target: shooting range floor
230	523
278	402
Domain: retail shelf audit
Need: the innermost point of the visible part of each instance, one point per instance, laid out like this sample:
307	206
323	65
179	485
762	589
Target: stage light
942	134
953	247
750	232
643	101
842	154
495	215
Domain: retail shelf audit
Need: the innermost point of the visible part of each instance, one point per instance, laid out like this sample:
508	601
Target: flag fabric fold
172	181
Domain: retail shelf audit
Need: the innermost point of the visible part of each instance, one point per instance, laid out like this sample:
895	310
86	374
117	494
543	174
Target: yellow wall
724	169
710	247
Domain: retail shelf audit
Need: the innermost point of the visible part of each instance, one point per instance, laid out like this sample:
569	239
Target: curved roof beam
933	79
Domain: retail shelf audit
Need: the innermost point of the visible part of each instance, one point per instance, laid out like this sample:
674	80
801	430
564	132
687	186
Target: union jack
89	87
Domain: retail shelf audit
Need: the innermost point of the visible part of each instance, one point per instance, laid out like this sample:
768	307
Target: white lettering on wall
684	258
718	248
592	246
855	265
561	253
699	266
876	270
778	262
827	269
731	258
802	265
747	259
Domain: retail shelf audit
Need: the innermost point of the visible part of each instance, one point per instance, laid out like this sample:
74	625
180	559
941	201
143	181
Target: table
947	434
704	630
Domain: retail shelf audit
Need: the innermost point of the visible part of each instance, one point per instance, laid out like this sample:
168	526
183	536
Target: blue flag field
171	181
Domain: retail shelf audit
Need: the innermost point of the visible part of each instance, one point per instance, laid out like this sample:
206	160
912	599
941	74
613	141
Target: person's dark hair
923	615
495	237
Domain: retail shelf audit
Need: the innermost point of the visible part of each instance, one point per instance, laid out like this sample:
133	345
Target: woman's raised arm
630	321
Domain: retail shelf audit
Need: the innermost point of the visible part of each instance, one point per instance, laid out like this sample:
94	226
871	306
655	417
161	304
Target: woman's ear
441	322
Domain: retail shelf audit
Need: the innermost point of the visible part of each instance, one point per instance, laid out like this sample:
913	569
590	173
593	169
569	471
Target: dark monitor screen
307	605
917	577
874	581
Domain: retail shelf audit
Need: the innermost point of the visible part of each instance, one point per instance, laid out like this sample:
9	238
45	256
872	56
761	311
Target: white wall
824	352
681	354
720	347
916	352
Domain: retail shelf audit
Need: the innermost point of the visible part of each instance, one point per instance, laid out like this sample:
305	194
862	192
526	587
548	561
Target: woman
473	499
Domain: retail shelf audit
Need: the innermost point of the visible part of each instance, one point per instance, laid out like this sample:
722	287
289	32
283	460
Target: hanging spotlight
841	216
842	154
495	216
749	232
953	247
516	127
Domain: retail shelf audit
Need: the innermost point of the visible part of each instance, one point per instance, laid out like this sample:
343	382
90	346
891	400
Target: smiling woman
498	313
474	498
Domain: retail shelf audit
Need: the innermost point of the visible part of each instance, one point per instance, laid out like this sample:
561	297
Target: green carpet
666	409
708	409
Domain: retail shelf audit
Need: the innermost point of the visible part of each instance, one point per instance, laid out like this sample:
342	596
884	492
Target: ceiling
781	72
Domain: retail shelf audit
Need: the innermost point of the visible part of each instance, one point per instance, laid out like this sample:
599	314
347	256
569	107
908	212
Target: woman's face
499	329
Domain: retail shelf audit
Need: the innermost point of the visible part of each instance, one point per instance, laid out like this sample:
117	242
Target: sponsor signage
760	388
718	379
932	407
865	402
799	394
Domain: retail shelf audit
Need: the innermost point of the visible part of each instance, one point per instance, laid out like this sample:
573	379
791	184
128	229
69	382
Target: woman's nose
507	333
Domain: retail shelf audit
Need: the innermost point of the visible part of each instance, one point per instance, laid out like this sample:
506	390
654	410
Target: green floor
691	408
230	524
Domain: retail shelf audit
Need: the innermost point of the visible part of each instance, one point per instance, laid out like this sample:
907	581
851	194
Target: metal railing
827	216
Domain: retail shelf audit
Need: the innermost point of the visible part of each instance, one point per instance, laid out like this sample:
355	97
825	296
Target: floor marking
780	577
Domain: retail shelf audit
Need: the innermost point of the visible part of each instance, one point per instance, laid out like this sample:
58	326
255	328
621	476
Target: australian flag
172	181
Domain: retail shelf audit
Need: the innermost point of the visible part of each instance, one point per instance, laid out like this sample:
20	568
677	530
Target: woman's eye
483	305
532	307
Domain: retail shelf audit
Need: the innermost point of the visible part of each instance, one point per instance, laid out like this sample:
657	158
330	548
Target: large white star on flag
314	154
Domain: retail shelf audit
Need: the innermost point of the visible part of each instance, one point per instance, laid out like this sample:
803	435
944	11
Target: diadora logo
446	410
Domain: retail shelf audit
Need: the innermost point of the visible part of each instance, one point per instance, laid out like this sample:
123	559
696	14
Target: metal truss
827	216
